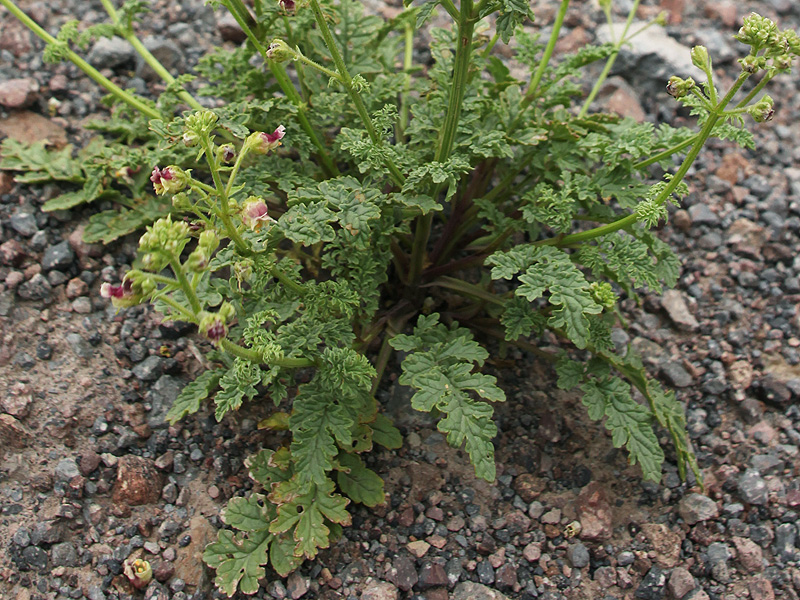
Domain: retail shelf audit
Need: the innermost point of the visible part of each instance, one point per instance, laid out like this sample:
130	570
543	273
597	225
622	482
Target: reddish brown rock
761	589
138	481
29	127
18	93
529	487
11	253
666	544
750	555
594	513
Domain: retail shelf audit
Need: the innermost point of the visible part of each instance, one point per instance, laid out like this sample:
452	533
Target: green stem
286	85
284	279
189	316
148	57
255	357
332	74
610	62
466	28
631	219
490	46
458	285
450	8
134	101
235	171
408	55
530	94
666	153
355	97
760	86
186	287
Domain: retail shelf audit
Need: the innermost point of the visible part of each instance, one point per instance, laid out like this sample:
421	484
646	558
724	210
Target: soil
90	476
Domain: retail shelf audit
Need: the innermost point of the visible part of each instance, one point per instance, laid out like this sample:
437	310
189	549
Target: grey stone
695	508
108	53
79	346
681	582
676	375
752	488
35	557
432	575
469	590
485	572
718	552
702	215
149	369
24	223
21	537
650	60
45	532
578	555
58	256
161	397
402	573
652	586
675	305
66	470
64	555
166	51
36	288
379	590
95	592
784	541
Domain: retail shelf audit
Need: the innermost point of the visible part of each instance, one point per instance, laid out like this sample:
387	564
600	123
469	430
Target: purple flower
287	5
255	213
169	180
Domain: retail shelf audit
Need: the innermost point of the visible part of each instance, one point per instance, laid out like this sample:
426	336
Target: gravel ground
90	475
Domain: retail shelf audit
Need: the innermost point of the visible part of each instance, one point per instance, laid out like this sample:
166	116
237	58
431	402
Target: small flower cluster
261	142
215	325
761	33
162	241
206	244
169	180
678	88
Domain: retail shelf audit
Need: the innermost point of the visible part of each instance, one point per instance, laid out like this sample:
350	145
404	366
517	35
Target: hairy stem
148	57
349	85
130	99
530	93
466	28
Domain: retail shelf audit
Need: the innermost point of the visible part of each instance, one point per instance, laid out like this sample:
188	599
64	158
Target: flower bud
255	213
783	62
280	51
752	64
757	32
169	180
700	57
288	5
226	153
130	292
763	110
200	122
181	202
262	143
190	139
209	240
662	18
197	260
678	88
603	294
138	572
214	327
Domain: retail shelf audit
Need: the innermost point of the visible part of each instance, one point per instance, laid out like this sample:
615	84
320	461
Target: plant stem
666	153
254	356
463	287
234	6
148	57
530	94
284	279
631	219
130	99
355	97
447	137
610	62
332	74
490	46
186	287
191	318
408	55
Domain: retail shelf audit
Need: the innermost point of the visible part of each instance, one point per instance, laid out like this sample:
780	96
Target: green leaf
361	484
630	423
269	468
57	165
281	555
548	269
252	513
110	225
425	12
316	419
308	224
570	372
425	204
192	395
304	508
238	559
385	433
439	366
